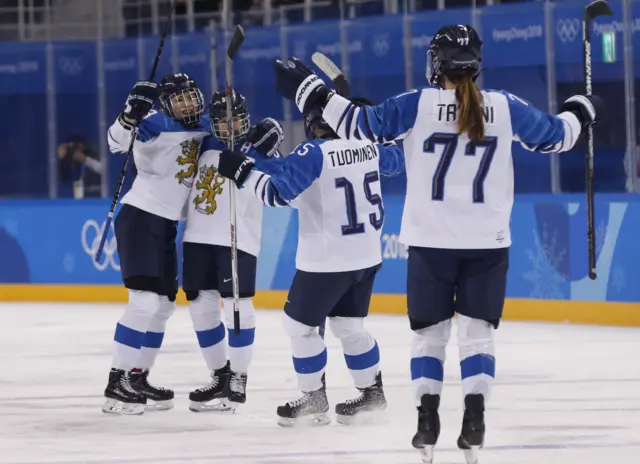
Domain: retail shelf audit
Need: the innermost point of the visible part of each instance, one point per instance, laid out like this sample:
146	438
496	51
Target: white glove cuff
305	89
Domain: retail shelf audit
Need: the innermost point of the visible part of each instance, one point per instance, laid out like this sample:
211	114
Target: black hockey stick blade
236	41
333	72
597	8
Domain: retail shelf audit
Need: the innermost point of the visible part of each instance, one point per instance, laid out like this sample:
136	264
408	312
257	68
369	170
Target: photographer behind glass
75	156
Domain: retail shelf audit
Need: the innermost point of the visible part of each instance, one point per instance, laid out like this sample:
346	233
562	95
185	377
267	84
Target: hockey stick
134	136
592	11
234	45
335	74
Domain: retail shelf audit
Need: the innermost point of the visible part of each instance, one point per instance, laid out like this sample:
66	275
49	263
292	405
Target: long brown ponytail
470	113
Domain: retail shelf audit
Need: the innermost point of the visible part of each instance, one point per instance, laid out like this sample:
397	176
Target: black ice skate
428	431
310	409
203	399
471	437
162	397
370	402
237	389
121	398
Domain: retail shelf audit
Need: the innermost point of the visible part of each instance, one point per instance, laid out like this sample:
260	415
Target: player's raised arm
387	121
296	173
548	133
138	106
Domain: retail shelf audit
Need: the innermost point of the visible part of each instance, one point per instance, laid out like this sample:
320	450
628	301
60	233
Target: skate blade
426	453
119	408
222	405
158	405
471	455
376	417
312	420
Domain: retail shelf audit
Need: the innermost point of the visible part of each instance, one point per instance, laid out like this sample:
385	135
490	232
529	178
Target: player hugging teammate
335	185
166	155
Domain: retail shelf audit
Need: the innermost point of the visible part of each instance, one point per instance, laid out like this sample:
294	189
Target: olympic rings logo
71	66
568	29
91	235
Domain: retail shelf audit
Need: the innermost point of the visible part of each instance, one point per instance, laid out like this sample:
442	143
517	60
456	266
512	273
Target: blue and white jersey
459	192
209	206
335	185
166	157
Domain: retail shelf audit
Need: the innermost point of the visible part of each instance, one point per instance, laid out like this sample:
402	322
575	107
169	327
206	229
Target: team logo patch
209	185
189	159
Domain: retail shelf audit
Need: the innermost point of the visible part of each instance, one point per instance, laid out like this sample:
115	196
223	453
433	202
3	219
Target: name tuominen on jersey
352	156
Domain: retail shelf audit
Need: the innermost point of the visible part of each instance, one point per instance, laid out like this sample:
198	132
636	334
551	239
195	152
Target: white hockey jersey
335	185
208	213
166	158
459	193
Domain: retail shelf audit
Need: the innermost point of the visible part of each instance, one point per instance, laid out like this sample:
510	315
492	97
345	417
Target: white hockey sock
477	356
205	316
241	345
428	353
360	349
155	334
131	328
309	354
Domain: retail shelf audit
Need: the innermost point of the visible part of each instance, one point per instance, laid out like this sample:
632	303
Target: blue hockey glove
140	101
589	109
235	165
297	82
266	136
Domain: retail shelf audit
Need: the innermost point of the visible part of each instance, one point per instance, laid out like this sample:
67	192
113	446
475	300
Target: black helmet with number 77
455	51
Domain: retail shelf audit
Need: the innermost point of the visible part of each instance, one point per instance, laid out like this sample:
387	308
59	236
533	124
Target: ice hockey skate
162	398
428	431
309	410
121	398
365	408
471	437
204	399
237	389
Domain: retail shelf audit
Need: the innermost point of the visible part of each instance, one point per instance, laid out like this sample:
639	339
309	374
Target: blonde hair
470	113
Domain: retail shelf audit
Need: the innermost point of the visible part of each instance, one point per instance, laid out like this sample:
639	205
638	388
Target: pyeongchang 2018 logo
90	239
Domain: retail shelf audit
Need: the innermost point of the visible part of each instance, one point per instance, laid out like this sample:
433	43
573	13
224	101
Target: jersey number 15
353	226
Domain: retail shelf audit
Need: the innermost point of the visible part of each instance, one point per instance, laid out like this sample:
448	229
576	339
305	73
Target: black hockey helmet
313	121
455	50
181	99
239	114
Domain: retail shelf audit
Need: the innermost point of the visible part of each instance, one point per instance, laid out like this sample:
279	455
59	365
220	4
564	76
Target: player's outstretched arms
138	105
295	174
389	120
548	133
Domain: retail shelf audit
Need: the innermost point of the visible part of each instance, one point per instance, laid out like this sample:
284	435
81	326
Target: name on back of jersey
449	113
349	156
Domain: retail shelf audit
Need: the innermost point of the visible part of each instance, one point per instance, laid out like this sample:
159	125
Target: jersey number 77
450	144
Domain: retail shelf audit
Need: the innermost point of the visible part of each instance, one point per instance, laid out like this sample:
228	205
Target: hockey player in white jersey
335	185
457	144
206	270
166	158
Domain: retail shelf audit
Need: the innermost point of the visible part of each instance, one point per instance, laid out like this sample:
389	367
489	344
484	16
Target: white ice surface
564	395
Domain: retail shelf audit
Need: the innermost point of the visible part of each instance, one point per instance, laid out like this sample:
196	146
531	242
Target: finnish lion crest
189	159
209	185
